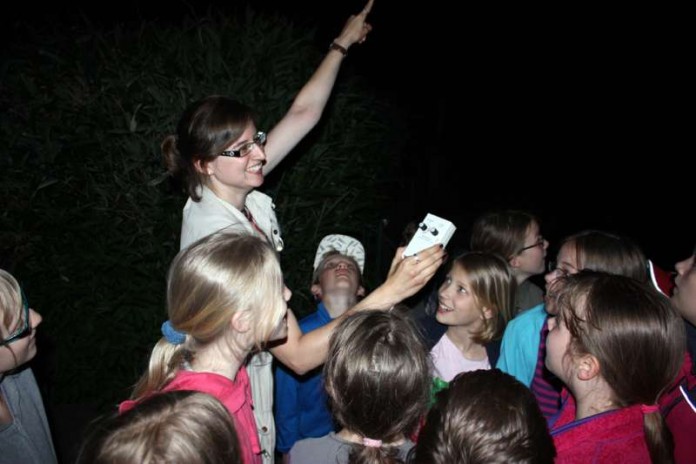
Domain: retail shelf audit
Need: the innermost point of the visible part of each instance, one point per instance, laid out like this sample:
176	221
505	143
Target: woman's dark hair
205	129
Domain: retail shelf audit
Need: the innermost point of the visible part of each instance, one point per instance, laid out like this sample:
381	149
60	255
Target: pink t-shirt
235	395
449	361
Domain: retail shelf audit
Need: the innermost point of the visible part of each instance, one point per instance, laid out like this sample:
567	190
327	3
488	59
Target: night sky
573	112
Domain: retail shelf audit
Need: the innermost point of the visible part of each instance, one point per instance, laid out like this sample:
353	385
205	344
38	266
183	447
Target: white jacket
211	214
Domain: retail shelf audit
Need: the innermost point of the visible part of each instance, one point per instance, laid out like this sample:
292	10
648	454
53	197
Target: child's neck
353	437
461	337
338	303
520	277
592	398
219	358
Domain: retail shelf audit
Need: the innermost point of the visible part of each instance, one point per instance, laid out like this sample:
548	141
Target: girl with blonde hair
225	299
24	433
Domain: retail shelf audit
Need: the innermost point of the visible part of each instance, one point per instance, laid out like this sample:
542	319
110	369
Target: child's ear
514	262
316	291
488	313
361	291
241	322
587	367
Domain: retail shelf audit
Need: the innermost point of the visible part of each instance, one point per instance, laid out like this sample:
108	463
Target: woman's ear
202	167
488	313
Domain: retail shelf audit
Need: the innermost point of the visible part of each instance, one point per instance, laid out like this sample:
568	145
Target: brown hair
501	232
484	416
493	287
205	129
636	335
377	378
605	252
178	427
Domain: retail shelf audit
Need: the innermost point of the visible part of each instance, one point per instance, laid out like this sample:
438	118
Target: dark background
577	113
580	114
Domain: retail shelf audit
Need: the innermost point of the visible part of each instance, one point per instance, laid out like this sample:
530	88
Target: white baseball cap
345	245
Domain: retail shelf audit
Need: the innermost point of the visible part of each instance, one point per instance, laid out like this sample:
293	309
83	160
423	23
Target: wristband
339	48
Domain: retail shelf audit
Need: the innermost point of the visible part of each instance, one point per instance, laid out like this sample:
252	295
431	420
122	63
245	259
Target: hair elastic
172	335
369	442
649	408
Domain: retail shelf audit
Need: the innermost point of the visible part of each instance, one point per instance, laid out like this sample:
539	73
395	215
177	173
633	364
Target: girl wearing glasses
24	433
514	235
523	349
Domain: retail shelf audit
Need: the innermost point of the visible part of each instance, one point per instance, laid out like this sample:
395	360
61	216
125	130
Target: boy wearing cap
301	403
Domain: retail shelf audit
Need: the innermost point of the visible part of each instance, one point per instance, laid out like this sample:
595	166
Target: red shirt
235	395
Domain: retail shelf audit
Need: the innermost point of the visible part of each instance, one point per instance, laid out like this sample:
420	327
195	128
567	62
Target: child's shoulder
318	450
534	316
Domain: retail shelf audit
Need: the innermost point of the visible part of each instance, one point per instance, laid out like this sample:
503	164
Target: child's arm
301	353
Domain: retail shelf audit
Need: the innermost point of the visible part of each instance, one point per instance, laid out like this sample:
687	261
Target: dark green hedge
89	221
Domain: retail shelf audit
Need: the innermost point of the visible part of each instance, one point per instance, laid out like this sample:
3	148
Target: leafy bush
90	223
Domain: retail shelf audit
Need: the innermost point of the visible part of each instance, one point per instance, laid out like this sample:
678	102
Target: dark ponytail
658	438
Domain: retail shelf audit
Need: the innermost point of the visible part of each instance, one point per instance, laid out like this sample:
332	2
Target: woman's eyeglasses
259	139
25	327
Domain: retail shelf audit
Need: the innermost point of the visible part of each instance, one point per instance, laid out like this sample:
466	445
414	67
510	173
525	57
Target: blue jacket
520	348
300	401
